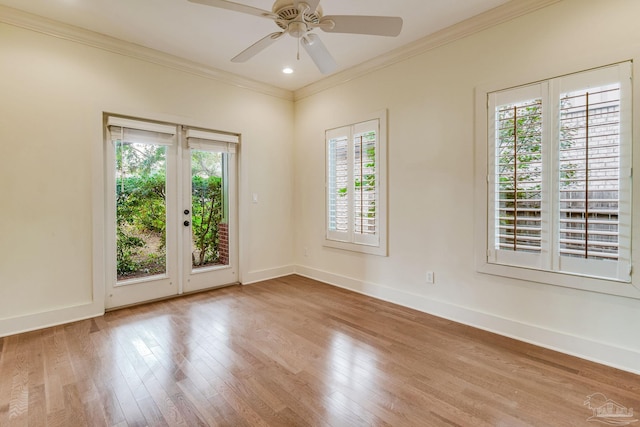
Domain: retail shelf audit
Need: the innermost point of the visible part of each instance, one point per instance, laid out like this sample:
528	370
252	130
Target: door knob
186	211
186	223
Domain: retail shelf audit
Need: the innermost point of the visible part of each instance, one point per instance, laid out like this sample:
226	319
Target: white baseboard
604	353
584	348
32	322
271	273
55	317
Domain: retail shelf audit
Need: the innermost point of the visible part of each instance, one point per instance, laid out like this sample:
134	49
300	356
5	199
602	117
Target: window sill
591	284
355	247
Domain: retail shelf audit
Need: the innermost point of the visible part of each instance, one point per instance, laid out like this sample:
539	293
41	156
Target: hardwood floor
291	352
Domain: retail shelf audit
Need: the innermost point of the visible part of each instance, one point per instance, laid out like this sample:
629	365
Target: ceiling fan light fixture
297	29
287	70
309	39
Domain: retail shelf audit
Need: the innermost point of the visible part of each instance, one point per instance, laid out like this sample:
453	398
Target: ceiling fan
299	18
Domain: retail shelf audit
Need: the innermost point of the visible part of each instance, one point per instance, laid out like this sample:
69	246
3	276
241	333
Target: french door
170	199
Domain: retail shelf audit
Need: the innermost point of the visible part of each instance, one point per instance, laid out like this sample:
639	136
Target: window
559	175
356	187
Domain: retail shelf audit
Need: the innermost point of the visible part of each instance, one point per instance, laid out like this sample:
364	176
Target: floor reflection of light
214	329
212	321
352	367
140	347
151	351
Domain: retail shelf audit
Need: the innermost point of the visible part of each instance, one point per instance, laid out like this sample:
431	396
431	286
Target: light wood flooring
291	352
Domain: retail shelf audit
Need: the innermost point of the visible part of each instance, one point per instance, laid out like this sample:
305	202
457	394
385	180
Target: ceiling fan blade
257	47
229	5
319	53
313	4
373	25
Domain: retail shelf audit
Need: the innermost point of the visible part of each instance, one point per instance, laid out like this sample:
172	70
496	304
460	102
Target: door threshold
151	301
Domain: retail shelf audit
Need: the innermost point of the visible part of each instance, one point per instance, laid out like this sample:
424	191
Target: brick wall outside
223	243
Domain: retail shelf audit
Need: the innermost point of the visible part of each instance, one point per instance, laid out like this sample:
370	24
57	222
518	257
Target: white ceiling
212	36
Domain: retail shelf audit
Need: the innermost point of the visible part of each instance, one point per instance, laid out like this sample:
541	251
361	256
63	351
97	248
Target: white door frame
178	277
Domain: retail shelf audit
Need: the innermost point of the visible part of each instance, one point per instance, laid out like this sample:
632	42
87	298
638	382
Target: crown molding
57	29
498	15
490	18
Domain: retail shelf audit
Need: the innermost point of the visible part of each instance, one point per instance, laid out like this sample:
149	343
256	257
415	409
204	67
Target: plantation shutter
337	186
352	187
517	201
141	132
594	180
560	174
211	141
365	183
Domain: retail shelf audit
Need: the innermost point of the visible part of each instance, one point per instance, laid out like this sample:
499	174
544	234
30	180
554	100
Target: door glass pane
209	216
140	209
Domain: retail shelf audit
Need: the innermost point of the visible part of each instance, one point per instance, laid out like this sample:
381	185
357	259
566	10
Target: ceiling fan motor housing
287	13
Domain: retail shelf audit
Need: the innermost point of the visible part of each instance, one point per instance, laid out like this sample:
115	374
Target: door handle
186	223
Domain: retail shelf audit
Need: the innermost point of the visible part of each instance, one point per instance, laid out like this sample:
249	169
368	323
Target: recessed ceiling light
287	70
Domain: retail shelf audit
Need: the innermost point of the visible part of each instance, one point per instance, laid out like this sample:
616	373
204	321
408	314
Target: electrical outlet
306	251
430	278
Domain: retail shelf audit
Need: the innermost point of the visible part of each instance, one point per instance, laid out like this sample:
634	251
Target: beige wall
53	94
430	99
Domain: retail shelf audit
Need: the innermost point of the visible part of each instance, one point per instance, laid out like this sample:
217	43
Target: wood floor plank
6	369
242	408
19	399
37	406
291	352
214	393
128	403
75	409
95	413
299	395
199	401
112	411
57	418
164	403
151	412
189	410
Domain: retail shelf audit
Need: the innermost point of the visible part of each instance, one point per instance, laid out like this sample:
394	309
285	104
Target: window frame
543	271
348	240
